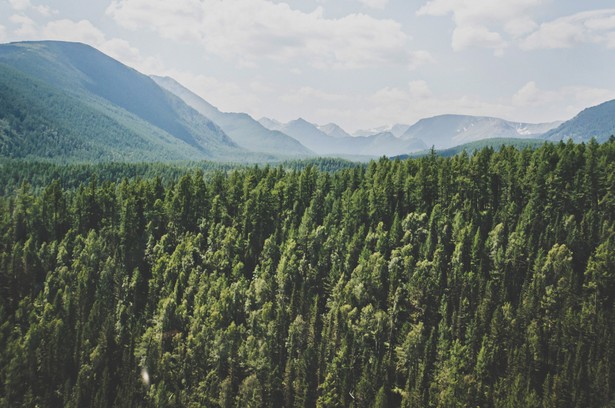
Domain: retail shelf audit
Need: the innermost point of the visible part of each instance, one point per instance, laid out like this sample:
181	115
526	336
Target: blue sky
358	63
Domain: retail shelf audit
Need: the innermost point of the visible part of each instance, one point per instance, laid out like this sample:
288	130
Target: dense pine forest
483	280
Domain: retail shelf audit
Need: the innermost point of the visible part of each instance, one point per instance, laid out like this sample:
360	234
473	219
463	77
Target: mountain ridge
594	122
449	130
241	127
69	100
146	122
376	145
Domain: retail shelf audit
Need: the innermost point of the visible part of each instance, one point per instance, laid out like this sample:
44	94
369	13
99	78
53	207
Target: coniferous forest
482	280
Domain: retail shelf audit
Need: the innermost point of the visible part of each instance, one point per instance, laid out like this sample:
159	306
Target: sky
358	63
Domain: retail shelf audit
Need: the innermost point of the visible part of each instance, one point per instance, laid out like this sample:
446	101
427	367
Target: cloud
225	95
419	90
568	100
68	30
417	100
26	27
85	32
306	92
418	58
499	24
2	33
250	30
476	11
387	105
25	5
376	4
520	26
479	36
479	23
596	26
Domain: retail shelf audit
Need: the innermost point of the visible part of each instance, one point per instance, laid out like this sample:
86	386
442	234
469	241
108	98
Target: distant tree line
38	174
484	280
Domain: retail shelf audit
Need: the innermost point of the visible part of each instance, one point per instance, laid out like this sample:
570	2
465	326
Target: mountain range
244	130
445	131
397	130
338	142
69	101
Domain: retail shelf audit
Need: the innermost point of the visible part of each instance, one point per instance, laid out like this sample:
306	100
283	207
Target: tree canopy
483	280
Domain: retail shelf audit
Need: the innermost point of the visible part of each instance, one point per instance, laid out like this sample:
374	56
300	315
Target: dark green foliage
471	147
484	280
38	174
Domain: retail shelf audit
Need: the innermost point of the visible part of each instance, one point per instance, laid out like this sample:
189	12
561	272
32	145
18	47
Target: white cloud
26	26
479	11
419	90
20	5
387	105
315	99
68	30
248	30
417	100
478	22
2	33
261	88
85	32
226	96
25	5
418	58
376	4
498	24
568	100
596	26
476	35
520	26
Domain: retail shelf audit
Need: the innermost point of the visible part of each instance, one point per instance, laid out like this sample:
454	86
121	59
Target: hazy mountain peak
241	127
301	122
270	124
397	130
333	130
448	130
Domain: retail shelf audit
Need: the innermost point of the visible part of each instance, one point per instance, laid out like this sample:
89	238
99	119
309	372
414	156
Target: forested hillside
483	280
70	102
597	122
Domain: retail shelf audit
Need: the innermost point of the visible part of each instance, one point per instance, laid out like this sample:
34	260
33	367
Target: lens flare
145	376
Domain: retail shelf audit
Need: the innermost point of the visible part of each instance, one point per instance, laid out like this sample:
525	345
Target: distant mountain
333	130
446	131
396	130
68	100
310	135
385	144
244	130
270	124
595	122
